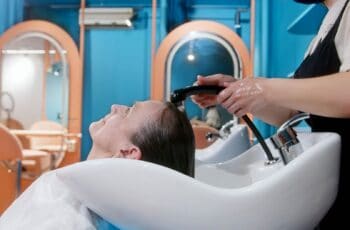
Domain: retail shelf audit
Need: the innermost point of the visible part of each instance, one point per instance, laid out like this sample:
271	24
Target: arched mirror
34	65
205	54
41	82
198	48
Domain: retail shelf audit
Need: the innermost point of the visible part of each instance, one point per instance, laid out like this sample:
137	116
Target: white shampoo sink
241	193
224	149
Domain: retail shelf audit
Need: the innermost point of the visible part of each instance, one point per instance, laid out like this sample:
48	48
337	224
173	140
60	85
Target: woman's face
111	134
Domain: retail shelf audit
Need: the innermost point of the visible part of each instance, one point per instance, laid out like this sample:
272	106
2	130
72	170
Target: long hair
168	140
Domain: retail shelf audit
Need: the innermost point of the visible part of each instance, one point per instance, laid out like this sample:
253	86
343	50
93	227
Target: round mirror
198	48
200	53
34	73
41	88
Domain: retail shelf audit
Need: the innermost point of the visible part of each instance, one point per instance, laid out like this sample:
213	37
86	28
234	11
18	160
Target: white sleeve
342	40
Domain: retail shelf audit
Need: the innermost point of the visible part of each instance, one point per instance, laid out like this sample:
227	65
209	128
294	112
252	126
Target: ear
132	153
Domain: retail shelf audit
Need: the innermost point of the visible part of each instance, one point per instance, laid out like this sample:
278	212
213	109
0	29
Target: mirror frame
160	60
74	71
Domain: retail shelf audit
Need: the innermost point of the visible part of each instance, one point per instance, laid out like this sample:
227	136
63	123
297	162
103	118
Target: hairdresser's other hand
206	100
244	96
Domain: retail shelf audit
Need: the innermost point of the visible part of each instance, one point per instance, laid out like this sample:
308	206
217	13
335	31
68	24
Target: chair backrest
8	190
10	151
10	146
36	142
15	124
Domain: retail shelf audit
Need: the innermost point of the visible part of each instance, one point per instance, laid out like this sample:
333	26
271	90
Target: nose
115	108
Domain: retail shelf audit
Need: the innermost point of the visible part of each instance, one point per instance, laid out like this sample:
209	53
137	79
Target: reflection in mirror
7	106
7	103
34	73
54	94
34	57
201	53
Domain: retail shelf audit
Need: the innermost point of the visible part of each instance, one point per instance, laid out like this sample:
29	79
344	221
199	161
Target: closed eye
129	110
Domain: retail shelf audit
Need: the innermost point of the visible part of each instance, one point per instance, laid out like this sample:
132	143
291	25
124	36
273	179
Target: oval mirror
200	53
198	48
41	87
34	73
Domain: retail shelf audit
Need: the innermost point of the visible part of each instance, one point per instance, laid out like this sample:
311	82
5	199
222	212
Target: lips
103	120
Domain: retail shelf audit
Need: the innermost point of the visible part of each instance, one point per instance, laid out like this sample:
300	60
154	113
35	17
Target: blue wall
117	62
11	12
223	12
117	70
278	52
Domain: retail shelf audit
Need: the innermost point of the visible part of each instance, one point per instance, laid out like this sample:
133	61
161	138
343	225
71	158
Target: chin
94	126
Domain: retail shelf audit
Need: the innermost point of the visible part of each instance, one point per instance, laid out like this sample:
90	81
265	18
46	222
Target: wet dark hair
168	140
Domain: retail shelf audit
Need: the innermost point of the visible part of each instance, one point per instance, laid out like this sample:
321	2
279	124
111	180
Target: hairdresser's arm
274	100
326	96
274	115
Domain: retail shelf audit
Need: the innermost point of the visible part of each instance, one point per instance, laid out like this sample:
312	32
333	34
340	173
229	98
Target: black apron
323	61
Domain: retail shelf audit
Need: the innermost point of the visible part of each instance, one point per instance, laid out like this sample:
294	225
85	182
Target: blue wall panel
117	71
11	12
66	18
278	52
224	14
117	62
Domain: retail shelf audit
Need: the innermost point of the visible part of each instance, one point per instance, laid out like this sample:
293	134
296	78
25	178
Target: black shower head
180	95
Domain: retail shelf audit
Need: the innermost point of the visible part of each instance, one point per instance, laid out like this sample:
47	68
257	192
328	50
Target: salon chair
55	145
15	124
18	167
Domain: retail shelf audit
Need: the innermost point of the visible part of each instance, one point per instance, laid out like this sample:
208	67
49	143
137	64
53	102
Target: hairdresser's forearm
275	115
326	96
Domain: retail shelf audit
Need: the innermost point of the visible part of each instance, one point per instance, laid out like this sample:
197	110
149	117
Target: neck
97	152
329	3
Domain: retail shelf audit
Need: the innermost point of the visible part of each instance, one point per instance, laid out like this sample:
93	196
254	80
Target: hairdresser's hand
244	96
206	100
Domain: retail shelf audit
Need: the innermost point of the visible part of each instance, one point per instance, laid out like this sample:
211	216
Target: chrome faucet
224	131
294	120
285	139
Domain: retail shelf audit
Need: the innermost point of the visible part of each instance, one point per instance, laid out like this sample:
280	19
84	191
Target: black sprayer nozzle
179	96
